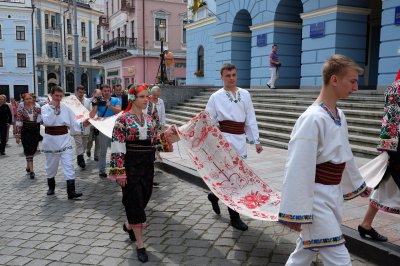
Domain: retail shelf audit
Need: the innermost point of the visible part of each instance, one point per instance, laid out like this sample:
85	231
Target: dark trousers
3	137
232	214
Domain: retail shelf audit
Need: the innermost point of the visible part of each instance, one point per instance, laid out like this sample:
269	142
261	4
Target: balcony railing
55	32
14	1
119	43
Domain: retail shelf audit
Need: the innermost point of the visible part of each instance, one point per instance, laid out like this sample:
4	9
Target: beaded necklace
337	120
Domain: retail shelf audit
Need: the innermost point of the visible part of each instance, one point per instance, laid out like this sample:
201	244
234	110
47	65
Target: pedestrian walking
274	65
134	142
158	106
13	118
57	146
232	108
104	106
81	137
27	131
386	196
5	121
321	171
93	135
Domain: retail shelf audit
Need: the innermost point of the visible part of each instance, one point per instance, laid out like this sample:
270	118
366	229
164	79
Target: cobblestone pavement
36	229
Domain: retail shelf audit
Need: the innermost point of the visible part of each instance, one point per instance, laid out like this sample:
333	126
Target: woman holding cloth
27	130
133	145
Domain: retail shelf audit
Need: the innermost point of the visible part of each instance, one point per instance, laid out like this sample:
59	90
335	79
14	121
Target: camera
99	101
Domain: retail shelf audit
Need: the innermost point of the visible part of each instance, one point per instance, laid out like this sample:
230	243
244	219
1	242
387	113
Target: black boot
52	185
71	190
214	202
81	161
236	221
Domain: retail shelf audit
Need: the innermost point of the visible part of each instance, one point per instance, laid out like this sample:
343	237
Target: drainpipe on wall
33	52
144	45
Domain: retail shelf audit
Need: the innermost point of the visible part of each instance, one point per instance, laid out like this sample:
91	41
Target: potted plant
199	73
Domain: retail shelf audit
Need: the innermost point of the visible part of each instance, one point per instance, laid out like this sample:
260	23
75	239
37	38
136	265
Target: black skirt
139	167
30	138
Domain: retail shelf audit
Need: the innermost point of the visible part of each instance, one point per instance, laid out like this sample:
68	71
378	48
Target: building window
83	54
159	21
0	32
98	32
49	48
184	32
53	22
1	60
46	21
21	60
69	27
83	29
69	52
132	29
56	49
20	33
200	59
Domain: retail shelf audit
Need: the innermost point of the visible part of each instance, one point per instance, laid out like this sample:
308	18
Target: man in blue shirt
104	106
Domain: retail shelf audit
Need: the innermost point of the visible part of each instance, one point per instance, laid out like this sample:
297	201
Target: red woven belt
232	127
329	173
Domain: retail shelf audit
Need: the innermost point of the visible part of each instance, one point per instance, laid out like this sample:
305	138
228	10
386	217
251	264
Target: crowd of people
320	170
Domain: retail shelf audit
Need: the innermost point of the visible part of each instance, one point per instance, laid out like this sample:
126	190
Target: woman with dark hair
133	145
27	131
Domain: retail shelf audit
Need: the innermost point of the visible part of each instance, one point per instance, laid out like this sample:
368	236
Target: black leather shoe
130	232
142	255
239	224
372	233
88	153
214	202
102	175
32	175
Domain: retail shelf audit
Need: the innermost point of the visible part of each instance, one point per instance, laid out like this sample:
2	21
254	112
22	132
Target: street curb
375	252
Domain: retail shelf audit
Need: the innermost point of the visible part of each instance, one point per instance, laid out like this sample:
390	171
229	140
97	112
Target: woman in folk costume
27	131
321	171
386	196
133	145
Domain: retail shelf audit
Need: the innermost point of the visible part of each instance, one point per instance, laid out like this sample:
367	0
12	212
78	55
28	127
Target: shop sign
112	73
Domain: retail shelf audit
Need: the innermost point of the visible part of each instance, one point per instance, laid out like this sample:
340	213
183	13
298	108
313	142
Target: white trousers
274	77
330	256
80	143
67	163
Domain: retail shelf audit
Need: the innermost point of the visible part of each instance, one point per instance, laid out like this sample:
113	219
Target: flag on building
196	6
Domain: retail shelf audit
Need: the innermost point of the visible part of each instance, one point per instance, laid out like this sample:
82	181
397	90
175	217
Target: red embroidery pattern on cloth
225	173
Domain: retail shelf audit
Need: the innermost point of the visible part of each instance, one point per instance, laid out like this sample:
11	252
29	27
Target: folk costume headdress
133	90
389	136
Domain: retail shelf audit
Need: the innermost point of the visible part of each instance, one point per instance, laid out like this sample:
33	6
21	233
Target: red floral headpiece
133	90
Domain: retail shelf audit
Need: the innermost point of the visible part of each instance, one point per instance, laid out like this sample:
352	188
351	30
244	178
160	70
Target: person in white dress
81	137
56	146
231	107
320	170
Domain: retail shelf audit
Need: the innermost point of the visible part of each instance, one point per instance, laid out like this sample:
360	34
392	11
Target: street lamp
161	33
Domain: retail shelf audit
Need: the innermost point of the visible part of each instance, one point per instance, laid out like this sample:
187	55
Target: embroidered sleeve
389	136
118	149
164	143
251	126
352	183
19	123
298	184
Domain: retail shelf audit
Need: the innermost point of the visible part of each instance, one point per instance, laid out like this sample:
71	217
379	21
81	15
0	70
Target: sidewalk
36	229
269	165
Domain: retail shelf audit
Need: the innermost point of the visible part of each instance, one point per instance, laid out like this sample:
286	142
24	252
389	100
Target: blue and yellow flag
196	6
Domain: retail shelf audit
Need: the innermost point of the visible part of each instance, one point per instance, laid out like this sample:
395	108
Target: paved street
36	229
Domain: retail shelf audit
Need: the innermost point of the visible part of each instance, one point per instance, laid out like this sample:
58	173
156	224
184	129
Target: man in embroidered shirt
104	106
233	109
56	146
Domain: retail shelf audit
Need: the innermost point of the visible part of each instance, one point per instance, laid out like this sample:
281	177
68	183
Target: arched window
200	59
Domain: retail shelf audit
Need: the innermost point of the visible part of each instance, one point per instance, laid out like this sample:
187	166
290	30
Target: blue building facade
16	65
306	32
